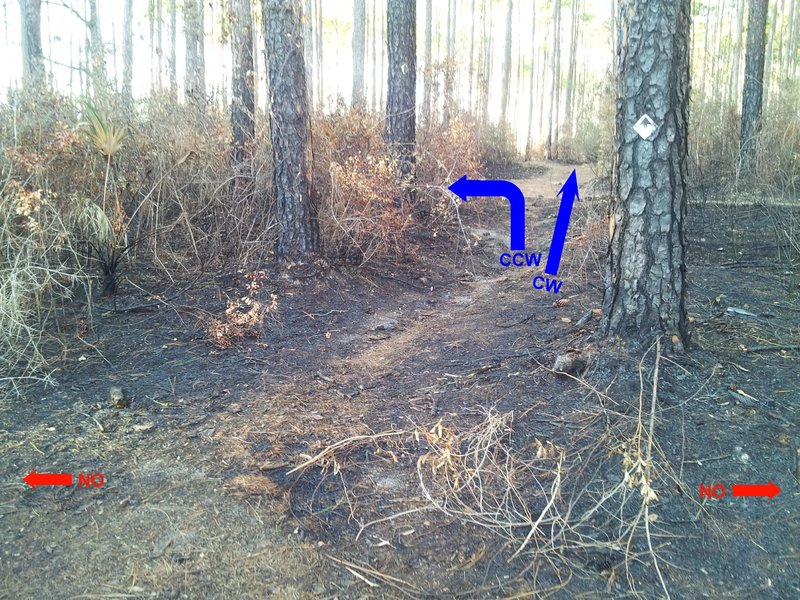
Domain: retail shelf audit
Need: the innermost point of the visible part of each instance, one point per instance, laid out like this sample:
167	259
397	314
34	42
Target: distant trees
401	86
243	104
359	50
195	80
32	57
127	51
753	90
645	288
507	64
298	230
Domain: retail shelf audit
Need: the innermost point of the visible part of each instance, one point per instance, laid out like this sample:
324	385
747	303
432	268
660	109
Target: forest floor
453	434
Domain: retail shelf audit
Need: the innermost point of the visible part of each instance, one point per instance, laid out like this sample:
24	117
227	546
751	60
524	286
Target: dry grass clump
244	317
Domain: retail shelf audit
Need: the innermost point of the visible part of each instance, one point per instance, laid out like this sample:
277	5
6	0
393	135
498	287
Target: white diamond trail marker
644	126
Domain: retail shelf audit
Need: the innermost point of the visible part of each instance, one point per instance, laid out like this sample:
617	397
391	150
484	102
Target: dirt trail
198	502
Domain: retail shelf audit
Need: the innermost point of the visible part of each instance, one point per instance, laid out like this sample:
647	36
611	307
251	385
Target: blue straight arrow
568	193
465	187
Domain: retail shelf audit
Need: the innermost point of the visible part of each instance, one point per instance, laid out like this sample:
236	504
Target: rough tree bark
450	64
298	229
506	65
645	288
401	87
359	50
753	88
32	57
243	104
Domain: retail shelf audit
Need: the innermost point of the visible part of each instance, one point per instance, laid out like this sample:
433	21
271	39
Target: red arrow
33	479
769	489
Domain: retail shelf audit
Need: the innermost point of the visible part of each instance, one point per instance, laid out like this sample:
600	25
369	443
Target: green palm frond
105	136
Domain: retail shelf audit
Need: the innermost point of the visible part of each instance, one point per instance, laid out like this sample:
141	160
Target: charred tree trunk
752	93
32	56
98	51
645	288
401	89
243	105
298	229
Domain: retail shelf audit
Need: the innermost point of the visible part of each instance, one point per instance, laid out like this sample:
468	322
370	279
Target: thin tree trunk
737	54
528	137
376	74
243	105
573	47
428	73
32	56
488	25
401	89
319	30
173	51
449	69
471	71
506	65
752	94
98	53
359	47
127	52
195	65
298	229
551	144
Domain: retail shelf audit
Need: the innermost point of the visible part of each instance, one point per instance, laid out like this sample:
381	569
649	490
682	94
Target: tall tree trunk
791	42
173	51
243	105
773	25
359	49
195	63
375	75
753	85
127	52
318	43
98	51
160	44
298	229
450	64
401	88
506	65
645	288
551	144
573	47
488	26
32	56
428	73
737	54
308	34
471	71
529	136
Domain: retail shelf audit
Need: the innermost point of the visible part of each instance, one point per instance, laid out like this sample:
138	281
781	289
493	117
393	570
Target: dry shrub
355	186
445	153
244	316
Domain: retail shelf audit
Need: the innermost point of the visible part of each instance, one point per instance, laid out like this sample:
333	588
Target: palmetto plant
107	139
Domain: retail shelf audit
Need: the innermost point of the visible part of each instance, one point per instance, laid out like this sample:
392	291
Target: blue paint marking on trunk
465	187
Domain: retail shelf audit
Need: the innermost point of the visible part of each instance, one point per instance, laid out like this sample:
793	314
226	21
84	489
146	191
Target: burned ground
421	399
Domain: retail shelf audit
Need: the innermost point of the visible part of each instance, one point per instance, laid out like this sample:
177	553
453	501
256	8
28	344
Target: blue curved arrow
497	187
568	192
